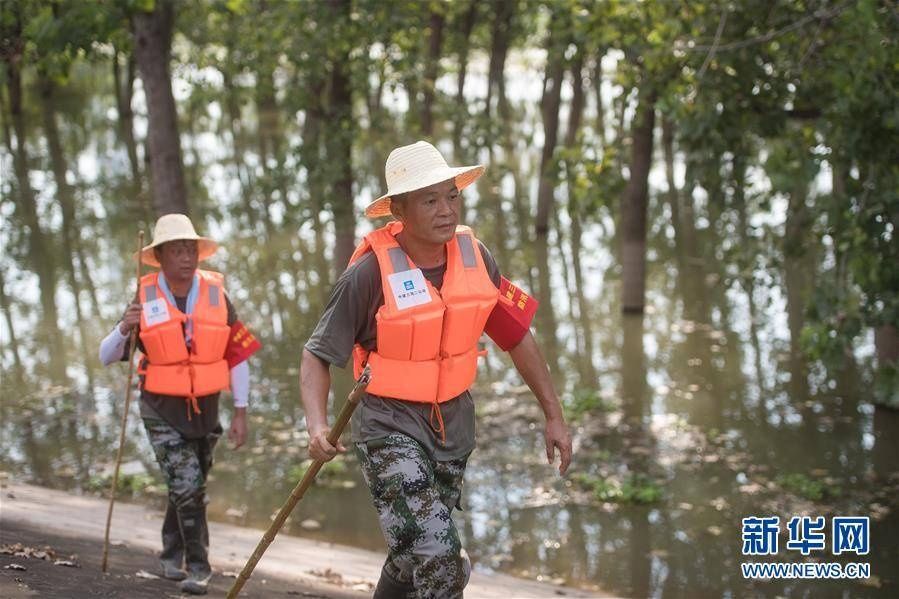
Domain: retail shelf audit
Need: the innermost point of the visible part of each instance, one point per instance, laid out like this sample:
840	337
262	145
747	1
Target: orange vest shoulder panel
426	351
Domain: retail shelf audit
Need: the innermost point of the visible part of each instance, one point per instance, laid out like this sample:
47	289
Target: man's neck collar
423	255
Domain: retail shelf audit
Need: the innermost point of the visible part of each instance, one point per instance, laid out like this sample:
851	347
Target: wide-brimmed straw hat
417	166
171	227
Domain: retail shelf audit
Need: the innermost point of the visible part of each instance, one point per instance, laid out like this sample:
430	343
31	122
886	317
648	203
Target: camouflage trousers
185	463
415	496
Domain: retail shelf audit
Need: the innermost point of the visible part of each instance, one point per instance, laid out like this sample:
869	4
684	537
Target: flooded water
687	419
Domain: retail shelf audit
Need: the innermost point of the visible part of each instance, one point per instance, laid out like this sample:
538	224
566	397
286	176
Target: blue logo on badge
409	285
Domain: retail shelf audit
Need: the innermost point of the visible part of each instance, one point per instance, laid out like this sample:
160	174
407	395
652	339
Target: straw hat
171	227
417	166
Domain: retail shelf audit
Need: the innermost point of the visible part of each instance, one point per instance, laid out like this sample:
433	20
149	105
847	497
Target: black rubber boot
196	550
172	557
391	588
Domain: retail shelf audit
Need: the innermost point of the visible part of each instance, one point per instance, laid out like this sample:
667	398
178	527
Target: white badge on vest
156	311
409	288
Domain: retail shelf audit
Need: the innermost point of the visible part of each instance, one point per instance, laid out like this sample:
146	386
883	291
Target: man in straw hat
412	305
193	348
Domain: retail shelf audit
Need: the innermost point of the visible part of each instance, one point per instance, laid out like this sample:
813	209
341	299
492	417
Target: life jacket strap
439	428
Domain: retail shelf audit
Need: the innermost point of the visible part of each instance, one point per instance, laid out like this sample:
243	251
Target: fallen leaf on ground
145	574
65	562
15	567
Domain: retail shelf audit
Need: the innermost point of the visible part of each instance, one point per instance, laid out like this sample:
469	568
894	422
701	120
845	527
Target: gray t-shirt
349	318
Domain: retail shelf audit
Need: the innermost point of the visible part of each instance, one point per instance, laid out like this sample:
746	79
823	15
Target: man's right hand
319	448
131	319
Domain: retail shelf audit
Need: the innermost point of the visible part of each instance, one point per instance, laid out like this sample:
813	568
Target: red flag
241	344
511	318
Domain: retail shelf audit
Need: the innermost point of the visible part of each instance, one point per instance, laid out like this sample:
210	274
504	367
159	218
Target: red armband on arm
511	317
241	344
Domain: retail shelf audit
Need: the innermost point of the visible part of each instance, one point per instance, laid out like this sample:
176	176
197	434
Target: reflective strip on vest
151	293
467	249
398	259
214	295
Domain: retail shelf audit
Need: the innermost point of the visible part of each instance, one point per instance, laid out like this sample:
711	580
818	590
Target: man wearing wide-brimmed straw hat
412	305
193	348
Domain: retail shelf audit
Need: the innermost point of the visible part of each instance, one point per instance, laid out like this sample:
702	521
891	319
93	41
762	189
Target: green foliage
809	488
330	471
635	489
584	402
130	484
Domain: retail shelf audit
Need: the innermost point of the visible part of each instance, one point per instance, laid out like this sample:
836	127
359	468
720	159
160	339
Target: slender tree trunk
339	145
501	36
310	156
552	93
152	48
798	284
124	92
6	306
748	266
886	345
435	43
634	207
546	315
621	103
271	143
40	250
600	107
673	200
461	110
65	196
575	116
233	118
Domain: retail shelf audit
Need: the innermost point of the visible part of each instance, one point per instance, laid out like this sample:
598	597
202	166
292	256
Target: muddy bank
72	527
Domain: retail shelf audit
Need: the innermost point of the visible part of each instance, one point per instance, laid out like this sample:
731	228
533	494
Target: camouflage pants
185	463
415	496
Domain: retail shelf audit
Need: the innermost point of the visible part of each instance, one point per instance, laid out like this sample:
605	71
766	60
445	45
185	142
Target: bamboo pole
118	460
297	494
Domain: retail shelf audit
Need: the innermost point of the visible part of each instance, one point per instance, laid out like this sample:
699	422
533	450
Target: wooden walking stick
303	485
118	460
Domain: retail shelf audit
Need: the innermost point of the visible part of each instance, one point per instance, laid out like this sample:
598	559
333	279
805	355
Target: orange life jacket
172	366
426	352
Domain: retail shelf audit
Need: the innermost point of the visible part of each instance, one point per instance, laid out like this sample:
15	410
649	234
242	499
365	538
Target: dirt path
292	567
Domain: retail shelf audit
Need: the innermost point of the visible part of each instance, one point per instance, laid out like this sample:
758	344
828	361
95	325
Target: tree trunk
461	111
6	306
886	344
673	199
575	115
748	266
501	36
40	251
552	93
634	207
633	370
798	284
152	46
65	196
124	92
546	315
600	108
435	43
233	118
339	143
